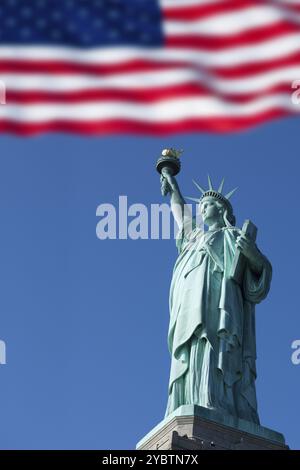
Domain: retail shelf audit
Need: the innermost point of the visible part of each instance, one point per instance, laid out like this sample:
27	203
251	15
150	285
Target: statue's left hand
250	251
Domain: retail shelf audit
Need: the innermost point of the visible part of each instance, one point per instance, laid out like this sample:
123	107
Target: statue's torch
169	159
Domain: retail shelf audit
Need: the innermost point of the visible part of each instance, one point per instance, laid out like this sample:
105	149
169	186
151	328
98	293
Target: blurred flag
147	66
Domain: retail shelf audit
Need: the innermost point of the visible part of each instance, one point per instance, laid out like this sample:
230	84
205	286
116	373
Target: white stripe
148	80
174	4
167	111
291	2
229	57
186	3
230	23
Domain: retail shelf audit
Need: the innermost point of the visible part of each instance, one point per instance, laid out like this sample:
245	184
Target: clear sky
85	320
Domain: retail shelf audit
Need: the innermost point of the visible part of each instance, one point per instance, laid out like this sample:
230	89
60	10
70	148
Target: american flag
147	66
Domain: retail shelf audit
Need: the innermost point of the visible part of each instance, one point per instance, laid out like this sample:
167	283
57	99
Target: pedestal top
215	416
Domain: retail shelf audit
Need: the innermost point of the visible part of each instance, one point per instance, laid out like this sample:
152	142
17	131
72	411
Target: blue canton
81	23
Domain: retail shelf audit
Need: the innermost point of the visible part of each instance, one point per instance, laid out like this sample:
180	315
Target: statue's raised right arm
180	209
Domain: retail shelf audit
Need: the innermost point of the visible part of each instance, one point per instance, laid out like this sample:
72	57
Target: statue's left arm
258	273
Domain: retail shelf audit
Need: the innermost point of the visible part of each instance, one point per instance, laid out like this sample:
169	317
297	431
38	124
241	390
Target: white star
41	3
71	27
25	32
83	12
55	34
86	38
70	3
113	33
113	14
26	12
41	23
11	21
56	15
145	37
98	22
129	26
144	17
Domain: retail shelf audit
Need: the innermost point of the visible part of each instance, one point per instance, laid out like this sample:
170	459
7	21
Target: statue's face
211	211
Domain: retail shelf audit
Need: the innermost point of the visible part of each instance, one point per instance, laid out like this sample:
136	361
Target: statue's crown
216	193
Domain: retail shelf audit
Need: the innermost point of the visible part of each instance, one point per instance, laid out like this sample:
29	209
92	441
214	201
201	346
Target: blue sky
85	320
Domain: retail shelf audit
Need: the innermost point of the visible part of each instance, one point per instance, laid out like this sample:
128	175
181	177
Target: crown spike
210	183
199	187
192	199
221	186
228	196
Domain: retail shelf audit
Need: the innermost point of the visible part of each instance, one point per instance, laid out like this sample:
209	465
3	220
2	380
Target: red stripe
135	66
194	12
58	67
254	36
139	96
222	125
235	71
247	70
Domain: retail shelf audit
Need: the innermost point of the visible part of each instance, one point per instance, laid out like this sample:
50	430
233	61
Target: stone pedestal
196	428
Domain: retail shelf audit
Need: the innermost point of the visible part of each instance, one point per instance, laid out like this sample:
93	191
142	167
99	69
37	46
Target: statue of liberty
211	335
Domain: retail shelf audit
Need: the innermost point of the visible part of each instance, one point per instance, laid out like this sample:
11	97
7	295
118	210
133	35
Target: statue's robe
211	335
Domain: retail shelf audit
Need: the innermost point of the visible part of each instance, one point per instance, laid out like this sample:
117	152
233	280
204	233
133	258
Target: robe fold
211	335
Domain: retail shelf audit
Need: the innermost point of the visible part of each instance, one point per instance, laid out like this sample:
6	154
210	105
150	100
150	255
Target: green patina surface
211	334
